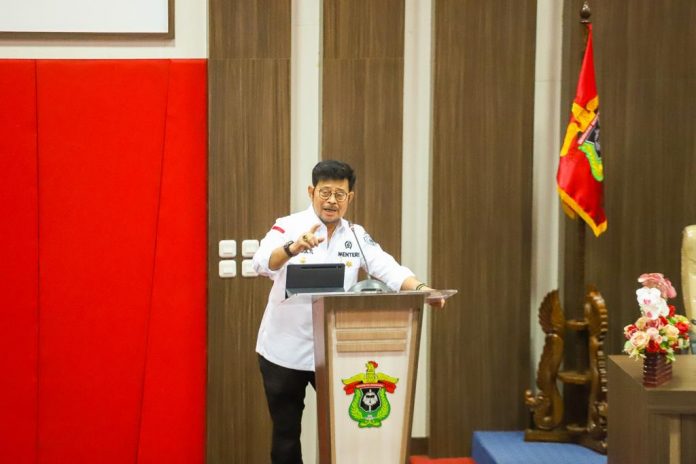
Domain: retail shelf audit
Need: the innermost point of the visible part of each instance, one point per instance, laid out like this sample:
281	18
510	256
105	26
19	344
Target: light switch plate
248	269
227	248
249	247
227	268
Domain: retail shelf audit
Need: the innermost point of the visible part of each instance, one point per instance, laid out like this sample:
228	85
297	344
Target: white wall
415	198
305	134
547	145
190	41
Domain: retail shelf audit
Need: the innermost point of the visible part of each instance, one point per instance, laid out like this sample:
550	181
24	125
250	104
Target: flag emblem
580	177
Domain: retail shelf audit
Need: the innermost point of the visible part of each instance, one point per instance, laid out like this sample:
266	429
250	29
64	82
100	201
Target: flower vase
656	369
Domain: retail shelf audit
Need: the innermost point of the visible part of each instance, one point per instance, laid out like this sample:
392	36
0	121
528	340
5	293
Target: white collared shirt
286	335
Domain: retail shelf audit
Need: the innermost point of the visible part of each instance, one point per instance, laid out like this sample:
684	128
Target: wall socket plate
249	247
227	268
227	248
248	269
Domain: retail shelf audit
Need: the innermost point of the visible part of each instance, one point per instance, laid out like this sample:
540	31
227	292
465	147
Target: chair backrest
688	271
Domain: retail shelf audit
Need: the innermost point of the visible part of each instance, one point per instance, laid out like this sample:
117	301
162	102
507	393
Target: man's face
326	199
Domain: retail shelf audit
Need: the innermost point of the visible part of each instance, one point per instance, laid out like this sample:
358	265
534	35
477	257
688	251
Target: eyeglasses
339	195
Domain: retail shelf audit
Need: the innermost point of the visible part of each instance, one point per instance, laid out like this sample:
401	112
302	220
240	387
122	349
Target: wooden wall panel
251	29
481	218
362	107
646	79
249	186
688	429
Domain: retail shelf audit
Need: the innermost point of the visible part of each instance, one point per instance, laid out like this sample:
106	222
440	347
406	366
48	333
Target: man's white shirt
286	335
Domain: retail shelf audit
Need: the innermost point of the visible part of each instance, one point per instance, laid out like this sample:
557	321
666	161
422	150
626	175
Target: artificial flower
640	340
657	280
659	329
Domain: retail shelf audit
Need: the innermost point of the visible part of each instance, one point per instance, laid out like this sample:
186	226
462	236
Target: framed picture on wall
84	18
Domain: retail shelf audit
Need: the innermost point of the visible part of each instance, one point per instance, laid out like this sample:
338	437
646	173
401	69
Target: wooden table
652	425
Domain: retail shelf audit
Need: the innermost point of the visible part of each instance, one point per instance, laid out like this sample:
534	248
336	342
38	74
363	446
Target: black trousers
285	393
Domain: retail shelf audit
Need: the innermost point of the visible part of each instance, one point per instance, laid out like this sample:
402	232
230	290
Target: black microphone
369	284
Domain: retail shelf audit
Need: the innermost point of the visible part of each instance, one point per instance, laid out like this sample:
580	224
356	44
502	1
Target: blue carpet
510	448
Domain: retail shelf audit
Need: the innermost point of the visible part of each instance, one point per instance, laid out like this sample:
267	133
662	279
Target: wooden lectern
366	356
652	425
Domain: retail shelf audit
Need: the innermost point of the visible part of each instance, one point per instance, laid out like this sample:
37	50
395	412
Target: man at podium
285	343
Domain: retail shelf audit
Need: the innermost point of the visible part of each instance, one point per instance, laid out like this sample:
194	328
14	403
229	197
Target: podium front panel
366	379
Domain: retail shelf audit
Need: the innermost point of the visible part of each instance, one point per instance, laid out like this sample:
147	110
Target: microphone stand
369	284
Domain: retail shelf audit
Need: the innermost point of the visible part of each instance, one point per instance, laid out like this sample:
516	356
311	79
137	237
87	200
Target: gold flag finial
585	13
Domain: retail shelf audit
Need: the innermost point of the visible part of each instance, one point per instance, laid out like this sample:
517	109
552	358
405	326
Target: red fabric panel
173	414
427	460
18	261
101	133
113	320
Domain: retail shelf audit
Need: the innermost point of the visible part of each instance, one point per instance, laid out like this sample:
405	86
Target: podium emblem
370	405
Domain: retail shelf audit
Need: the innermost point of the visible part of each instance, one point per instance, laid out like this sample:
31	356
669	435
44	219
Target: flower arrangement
659	329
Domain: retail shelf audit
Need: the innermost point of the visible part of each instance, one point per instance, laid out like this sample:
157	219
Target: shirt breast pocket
352	269
303	258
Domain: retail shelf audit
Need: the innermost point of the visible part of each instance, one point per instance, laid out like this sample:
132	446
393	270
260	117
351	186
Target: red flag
580	176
